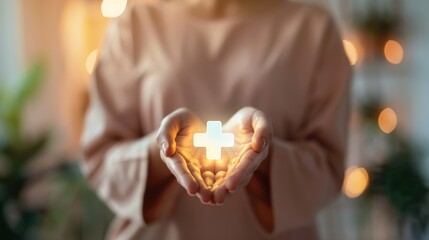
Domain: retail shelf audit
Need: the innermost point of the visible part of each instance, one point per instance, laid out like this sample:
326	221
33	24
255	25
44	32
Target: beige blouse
287	61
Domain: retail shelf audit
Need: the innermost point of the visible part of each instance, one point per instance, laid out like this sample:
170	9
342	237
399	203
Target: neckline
243	17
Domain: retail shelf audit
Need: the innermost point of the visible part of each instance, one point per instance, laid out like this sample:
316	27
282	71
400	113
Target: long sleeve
307	172
115	153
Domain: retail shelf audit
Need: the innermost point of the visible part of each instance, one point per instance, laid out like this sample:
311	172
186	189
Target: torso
214	68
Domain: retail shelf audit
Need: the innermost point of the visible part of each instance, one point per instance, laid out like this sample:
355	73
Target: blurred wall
62	33
10	41
418	46
40	41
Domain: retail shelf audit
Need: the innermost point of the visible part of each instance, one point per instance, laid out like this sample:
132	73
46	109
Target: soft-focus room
64	177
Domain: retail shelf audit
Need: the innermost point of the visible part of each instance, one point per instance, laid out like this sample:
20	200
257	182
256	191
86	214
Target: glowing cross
214	140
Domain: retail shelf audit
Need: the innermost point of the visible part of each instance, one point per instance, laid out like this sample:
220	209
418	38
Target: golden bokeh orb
356	181
91	60
113	8
387	120
393	52
351	51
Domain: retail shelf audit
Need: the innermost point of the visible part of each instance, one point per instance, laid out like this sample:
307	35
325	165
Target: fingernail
164	148
232	190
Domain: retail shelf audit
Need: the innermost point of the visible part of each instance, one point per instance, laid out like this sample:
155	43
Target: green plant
398	178
16	151
73	212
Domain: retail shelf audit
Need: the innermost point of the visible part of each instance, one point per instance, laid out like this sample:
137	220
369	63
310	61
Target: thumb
167	133
263	132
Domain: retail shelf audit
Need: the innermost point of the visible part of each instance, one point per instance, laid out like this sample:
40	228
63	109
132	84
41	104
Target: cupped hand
213	180
253	134
186	163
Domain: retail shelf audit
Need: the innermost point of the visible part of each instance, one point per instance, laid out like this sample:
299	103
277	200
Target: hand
175	139
253	134
213	180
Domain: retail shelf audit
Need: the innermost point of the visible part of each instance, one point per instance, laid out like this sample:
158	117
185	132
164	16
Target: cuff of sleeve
125	174
296	184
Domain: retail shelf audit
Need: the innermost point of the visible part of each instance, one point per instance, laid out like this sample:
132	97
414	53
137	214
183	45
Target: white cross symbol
214	140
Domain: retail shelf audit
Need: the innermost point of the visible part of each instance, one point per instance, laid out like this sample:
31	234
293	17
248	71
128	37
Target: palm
184	144
242	145
205	177
213	172
240	161
190	157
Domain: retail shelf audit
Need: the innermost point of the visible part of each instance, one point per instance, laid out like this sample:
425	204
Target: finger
262	131
220	194
179	168
209	178
167	133
247	180
204	193
205	196
219	180
238	175
207	168
196	173
220	175
194	168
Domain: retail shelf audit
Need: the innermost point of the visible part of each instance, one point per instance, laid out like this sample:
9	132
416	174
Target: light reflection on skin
214	172
213	181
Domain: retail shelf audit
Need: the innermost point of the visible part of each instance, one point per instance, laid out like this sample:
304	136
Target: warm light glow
387	120
113	8
214	140
91	60
355	182
351	51
393	52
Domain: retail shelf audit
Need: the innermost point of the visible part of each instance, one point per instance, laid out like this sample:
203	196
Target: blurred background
48	49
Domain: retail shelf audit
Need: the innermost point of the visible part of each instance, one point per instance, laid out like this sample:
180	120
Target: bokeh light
393	52
351	51
387	120
113	8
91	60
355	182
